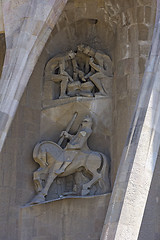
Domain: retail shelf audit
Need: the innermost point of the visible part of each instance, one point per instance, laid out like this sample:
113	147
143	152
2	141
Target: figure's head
80	48
89	51
87	121
86	50
71	54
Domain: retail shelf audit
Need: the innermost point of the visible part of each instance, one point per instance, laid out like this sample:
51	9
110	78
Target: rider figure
76	143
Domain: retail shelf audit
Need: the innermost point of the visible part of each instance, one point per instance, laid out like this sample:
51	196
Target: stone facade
34	32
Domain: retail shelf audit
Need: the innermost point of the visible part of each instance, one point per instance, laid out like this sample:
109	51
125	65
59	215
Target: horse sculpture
57	162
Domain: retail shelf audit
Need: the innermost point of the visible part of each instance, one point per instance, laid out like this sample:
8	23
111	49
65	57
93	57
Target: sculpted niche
85	72
56	161
82	75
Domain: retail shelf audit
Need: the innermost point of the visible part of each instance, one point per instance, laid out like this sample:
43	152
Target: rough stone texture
130	57
131	188
64	219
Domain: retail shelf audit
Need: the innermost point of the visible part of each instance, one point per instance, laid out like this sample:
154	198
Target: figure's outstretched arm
66	135
94	66
89	74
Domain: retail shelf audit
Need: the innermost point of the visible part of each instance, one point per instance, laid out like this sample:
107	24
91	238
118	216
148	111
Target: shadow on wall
3	50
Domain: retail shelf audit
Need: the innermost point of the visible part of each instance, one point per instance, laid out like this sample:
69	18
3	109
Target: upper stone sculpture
80	73
57	162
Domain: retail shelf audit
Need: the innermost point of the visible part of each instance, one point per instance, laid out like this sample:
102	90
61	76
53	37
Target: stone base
65	219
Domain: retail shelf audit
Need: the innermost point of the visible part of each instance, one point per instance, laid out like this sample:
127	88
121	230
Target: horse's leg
40	197
86	187
50	180
37	184
37	180
92	164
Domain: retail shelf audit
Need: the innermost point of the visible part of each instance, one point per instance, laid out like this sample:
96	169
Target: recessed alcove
116	30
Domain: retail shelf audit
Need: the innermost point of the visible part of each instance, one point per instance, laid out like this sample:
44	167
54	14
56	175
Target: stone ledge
67	197
57	102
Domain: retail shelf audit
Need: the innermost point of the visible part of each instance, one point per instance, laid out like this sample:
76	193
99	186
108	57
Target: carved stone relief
85	72
56	161
77	92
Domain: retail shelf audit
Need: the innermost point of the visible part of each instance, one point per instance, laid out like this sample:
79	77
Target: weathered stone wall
139	156
16	187
77	219
133	40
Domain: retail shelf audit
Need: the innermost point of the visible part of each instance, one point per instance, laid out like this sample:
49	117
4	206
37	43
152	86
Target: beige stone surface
72	218
131	188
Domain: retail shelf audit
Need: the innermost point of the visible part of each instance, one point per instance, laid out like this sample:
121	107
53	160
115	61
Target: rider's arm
66	135
70	136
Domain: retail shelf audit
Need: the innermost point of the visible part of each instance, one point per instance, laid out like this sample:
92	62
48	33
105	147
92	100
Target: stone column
25	40
131	188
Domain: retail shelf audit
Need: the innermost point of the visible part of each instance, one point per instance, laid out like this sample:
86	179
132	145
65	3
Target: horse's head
39	156
42	156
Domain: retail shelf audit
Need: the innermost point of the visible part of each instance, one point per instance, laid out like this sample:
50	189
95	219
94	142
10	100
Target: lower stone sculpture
57	162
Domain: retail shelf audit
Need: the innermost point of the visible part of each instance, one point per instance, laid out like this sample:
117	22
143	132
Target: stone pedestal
65	219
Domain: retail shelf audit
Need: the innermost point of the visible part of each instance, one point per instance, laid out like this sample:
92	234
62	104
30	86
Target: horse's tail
104	181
